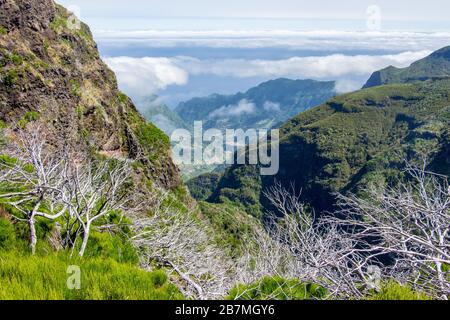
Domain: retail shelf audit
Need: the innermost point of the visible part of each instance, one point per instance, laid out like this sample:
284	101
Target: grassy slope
44	277
109	271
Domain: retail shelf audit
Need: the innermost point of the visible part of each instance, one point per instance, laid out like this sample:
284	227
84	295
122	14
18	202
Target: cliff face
51	72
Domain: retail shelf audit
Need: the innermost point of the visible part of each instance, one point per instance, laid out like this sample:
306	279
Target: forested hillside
352	141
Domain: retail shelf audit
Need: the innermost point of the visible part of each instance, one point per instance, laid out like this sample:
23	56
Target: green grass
153	140
24	277
109	269
3	31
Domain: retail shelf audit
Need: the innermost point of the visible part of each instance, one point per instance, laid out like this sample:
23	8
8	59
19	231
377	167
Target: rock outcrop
51	72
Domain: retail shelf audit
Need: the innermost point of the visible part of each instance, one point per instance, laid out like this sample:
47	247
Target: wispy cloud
332	66
243	107
271	106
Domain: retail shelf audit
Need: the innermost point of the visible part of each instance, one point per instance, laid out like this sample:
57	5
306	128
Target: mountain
350	142
264	106
435	66
160	114
51	72
51	75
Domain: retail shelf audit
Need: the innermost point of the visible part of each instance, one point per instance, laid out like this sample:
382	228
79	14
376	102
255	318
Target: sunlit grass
24	277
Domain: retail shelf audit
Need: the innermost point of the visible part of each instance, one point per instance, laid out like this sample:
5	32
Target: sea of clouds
348	57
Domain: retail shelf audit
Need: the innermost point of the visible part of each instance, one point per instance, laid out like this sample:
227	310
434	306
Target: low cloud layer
332	66
144	76
243	107
289	39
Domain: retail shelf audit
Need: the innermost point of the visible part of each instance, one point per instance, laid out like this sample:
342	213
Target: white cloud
243	107
289	39
271	106
347	85
331	67
144	76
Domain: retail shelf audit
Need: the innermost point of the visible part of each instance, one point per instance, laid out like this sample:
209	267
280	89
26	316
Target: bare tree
96	189
177	240
33	180
410	223
50	183
302	247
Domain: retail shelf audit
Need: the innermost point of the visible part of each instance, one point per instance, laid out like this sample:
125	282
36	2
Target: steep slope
264	106
350	142
435	66
50	71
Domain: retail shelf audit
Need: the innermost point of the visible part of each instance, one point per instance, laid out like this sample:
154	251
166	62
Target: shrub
104	245
28	117
277	288
75	88
16	59
11	78
396	291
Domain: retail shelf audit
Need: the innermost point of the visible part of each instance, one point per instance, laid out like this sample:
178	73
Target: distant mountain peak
434	66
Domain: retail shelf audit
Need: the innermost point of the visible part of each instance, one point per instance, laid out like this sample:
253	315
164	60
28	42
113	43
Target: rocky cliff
51	72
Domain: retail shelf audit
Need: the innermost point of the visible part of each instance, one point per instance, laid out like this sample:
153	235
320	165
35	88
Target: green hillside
435	66
351	141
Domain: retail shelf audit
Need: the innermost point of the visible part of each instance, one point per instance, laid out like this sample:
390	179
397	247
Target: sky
180	49
100	11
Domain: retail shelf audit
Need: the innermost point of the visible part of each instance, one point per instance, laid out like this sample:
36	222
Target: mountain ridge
348	143
434	66
264	106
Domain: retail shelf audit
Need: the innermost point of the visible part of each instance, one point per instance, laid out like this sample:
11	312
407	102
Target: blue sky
180	49
413	15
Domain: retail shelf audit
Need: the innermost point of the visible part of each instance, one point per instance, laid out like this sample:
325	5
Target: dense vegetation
201	188
351	141
52	196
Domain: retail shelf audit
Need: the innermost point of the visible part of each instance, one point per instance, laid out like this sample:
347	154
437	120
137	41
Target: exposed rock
51	71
